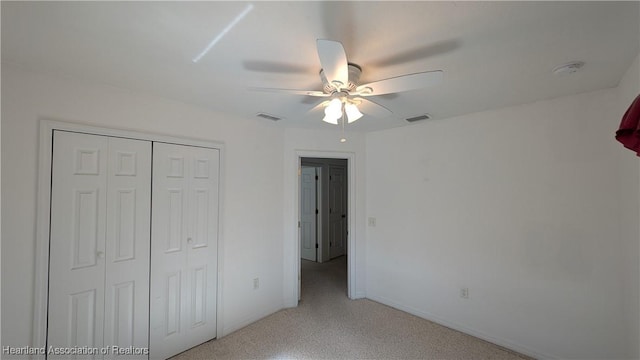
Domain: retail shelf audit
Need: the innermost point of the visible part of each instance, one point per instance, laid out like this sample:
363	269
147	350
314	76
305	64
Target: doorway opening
324	222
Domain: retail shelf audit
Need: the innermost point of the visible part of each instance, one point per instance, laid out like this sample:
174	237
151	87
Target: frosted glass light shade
330	120
333	112
352	112
334	109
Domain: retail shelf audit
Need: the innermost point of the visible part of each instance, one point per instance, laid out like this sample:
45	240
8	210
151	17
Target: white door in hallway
183	248
308	213
337	211
99	243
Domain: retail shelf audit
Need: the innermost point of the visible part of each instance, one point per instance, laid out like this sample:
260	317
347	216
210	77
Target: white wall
534	208
328	144
627	91
252	230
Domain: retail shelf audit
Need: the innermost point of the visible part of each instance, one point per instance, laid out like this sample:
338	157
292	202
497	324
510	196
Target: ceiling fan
347	98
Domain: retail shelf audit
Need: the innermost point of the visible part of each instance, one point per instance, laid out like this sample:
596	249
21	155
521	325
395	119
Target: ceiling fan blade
276	67
291	91
423	52
338	18
369	107
401	83
333	60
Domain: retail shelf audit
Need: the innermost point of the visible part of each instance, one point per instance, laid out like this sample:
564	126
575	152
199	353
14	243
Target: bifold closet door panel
128	246
99	242
183	248
77	240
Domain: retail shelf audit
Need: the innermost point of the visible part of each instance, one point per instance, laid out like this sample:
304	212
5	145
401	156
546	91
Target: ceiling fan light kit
339	106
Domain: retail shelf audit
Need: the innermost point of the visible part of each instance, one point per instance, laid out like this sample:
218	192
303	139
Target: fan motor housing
354	79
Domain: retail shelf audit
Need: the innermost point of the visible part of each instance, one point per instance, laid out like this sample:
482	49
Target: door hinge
316	177
316	211
316	245
298	223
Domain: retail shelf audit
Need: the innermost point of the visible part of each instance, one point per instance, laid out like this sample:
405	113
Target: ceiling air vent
418	118
268	117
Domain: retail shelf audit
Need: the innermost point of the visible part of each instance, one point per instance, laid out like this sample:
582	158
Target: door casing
292	255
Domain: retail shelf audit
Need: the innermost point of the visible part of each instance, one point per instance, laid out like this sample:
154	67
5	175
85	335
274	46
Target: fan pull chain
343	139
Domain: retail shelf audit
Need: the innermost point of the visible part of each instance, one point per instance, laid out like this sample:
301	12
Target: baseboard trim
248	321
290	303
360	295
462	328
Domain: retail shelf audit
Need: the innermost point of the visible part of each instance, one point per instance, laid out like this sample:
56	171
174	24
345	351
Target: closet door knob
189	240
100	254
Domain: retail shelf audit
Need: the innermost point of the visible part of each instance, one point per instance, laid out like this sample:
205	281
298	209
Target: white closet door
77	244
99	245
183	248
128	247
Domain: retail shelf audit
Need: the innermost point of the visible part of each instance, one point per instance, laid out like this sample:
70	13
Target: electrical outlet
464	293
256	283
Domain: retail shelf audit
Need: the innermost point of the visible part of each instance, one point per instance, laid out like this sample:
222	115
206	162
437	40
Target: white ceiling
493	54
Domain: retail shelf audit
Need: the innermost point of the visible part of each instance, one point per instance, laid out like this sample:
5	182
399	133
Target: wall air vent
268	117
418	118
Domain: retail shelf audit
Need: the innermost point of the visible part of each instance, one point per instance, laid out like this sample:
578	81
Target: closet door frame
43	215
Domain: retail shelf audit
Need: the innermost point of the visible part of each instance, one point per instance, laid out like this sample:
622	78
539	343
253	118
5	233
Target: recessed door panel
125	163
176	167
125	229
172	307
199	296
82	324
87	161
201	218
85	235
123	314
175	220
201	168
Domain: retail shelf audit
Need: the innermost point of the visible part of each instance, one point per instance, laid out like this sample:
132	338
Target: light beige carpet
327	325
